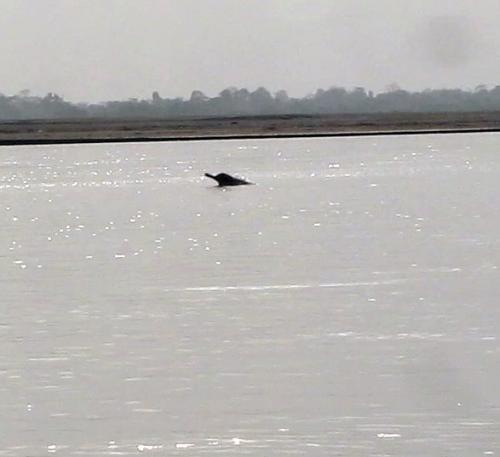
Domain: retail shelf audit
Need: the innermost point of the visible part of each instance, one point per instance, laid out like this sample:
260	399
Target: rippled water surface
346	305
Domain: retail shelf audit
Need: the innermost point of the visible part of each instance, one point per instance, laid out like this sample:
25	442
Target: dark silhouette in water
227	180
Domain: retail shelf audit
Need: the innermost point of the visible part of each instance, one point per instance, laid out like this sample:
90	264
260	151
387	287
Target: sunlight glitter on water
345	305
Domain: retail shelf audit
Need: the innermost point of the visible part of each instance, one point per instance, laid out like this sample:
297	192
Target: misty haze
96	51
238	102
345	304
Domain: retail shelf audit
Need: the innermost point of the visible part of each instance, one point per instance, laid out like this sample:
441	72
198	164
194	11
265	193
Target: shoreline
56	141
84	131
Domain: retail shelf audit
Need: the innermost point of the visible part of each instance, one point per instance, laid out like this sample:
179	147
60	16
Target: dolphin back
223	179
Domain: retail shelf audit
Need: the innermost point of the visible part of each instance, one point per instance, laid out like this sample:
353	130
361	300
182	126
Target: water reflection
345	305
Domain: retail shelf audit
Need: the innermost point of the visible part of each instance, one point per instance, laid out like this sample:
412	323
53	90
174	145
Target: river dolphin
223	179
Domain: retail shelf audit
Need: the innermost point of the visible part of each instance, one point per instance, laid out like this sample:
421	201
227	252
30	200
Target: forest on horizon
242	102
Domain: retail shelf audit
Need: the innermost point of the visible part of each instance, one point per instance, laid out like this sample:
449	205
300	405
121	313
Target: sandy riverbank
109	130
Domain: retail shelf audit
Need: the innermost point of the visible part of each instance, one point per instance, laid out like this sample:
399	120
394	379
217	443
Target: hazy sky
90	50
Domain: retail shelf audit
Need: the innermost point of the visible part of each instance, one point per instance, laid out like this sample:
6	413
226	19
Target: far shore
69	131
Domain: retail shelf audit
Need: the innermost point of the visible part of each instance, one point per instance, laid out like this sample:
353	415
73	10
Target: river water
345	305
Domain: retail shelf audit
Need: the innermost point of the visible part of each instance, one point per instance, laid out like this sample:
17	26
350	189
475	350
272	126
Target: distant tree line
242	102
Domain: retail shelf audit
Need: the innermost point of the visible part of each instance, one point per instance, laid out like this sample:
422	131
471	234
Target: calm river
346	305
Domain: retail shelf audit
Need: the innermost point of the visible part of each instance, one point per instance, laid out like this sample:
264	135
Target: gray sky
90	50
